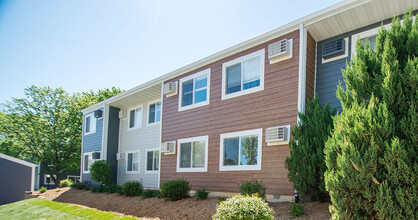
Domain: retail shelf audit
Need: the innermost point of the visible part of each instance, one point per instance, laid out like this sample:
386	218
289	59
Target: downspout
302	69
161	132
302	77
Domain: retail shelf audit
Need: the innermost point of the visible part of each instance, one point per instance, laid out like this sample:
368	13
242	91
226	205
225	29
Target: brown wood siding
310	68
273	106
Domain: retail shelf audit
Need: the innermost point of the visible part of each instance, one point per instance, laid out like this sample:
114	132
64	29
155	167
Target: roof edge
7	157
261	38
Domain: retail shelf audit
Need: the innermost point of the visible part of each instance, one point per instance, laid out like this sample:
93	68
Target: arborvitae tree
306	163
372	153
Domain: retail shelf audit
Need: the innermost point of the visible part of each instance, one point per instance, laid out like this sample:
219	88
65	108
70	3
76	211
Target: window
368	34
152	161
135	117
194	90
241	150
48	180
243	75
154	114
192	155
87	161
371	39
132	163
74	179
90	124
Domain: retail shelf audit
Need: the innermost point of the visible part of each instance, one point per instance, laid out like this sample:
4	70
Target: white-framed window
132	162
154	112
48	180
369	35
73	178
89	124
192	154
243	75
87	161
152	162
241	150
194	90
135	117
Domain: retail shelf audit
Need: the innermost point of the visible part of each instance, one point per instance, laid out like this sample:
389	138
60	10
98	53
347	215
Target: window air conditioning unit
280	51
278	135
123	114
98	113
168	147
170	89
120	156
95	155
333	48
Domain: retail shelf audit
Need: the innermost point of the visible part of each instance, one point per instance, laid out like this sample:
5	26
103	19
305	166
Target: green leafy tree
372	153
6	145
46	126
306	163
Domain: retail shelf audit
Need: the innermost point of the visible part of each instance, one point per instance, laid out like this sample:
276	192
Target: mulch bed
157	208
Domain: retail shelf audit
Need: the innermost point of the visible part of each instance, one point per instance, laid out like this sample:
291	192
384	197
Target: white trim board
148	109
191	140
259	53
206	72
146	161
259	133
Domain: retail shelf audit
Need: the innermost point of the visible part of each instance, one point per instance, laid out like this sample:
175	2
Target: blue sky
84	45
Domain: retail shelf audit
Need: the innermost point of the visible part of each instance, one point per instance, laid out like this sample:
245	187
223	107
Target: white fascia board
19	161
277	32
93	107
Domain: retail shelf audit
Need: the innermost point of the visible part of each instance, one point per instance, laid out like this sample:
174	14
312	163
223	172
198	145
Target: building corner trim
302	69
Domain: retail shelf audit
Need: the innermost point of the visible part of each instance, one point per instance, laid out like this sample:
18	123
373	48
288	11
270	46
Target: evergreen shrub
371	156
132	188
100	172
252	187
201	194
306	163
175	189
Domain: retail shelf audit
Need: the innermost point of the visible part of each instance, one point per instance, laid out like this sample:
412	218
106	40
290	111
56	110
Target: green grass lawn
44	209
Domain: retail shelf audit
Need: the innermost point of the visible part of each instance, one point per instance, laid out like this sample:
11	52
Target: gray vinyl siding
93	142
15	180
113	140
329	75
141	139
86	177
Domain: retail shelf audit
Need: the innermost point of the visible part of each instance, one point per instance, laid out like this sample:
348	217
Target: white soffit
353	18
141	96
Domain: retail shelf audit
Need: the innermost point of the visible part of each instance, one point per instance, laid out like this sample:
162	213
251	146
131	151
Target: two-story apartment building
227	118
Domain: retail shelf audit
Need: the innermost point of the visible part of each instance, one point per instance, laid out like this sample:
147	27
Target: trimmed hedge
175	189
132	188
